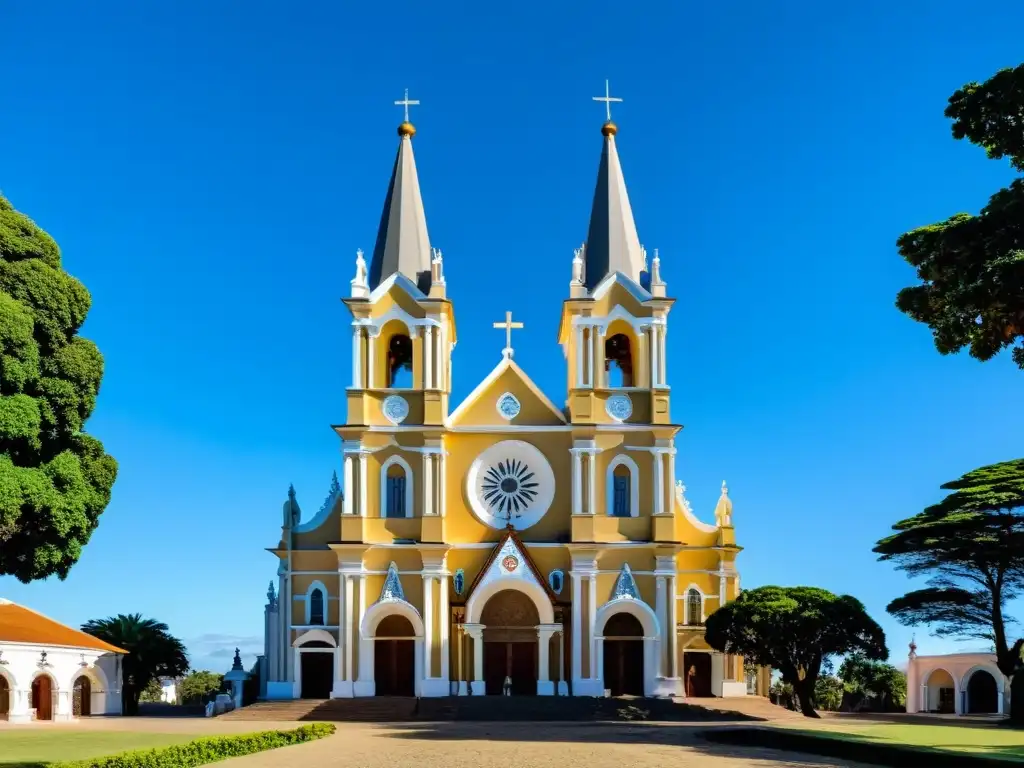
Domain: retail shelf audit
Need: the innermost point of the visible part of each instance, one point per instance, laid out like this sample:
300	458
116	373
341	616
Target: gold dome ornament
407	129
609	129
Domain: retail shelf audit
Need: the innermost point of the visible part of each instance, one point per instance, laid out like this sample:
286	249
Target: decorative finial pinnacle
291	491
609	128
725	489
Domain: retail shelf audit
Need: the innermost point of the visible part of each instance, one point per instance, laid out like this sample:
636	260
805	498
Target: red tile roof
22	625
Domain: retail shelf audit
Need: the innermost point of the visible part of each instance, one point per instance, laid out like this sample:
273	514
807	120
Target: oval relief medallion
510	483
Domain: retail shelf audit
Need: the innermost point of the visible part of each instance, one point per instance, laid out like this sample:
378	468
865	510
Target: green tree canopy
970	545
152	653
199	686
876	679
972	267
795	630
55	480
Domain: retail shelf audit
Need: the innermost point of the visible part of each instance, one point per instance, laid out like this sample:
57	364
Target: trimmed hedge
209	749
872	752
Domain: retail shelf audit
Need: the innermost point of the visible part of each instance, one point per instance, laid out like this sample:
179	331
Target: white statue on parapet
360	288
723	510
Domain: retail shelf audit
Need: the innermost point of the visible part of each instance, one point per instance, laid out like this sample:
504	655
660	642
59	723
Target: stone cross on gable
509	326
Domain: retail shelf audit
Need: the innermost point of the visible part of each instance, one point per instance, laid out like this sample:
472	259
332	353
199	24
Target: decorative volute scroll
625	585
392	589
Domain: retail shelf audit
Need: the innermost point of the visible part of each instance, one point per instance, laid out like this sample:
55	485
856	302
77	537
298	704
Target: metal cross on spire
406	102
508	325
607	99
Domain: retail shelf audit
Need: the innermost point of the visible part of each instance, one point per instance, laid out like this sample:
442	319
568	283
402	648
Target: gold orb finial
407	129
609	129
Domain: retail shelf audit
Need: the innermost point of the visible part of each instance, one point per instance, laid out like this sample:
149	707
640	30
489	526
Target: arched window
396	488
395	501
694	608
316	607
621	491
622	487
618	361
400	361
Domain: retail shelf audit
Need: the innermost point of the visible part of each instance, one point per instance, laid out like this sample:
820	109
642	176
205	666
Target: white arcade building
49	671
956	683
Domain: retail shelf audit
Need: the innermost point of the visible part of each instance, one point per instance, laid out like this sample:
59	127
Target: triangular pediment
509	560
625	585
508	397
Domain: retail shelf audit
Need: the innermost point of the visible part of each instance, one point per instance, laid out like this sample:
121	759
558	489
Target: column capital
476	631
548	629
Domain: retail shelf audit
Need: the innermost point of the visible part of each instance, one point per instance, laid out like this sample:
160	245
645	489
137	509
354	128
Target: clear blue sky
209	170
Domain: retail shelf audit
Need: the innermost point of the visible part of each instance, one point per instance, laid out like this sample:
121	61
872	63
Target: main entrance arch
624	655
5	697
394	657
510	620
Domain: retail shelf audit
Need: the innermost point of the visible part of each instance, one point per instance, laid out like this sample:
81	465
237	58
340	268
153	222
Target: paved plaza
478	745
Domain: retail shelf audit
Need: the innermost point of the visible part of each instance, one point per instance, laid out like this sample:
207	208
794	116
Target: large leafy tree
55	480
874	679
972	266
970	546
795	630
152	653
200	686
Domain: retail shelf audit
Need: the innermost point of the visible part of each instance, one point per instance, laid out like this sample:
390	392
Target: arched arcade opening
394	657
42	697
982	693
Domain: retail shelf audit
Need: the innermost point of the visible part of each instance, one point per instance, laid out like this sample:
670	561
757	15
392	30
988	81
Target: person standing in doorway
691	675
506	689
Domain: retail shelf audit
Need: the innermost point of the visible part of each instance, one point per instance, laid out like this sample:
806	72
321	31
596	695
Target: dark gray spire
402	242
612	241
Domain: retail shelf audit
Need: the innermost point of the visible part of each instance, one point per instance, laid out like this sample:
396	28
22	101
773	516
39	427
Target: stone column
590	356
652	346
350	484
673	621
363	484
442	495
349	620
476	631
445	619
371	362
599	372
577	482
592	482
357	357
671	490
428	486
662	357
591	622
428	626
579	357
577	628
661	611
563	689
428	357
544	686
659	482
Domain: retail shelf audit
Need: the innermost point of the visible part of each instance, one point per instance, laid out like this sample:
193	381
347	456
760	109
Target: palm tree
152	653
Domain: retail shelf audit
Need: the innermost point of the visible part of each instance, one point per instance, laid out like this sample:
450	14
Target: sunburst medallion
509	487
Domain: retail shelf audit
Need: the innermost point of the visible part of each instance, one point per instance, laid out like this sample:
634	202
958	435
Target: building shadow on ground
682	735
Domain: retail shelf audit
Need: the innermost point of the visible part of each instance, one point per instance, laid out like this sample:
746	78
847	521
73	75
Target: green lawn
990	741
42	745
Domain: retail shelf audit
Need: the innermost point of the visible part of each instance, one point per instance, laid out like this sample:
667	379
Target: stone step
503	708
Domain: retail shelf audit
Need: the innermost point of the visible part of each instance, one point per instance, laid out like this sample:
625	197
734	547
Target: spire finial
609	128
407	128
291	491
725	489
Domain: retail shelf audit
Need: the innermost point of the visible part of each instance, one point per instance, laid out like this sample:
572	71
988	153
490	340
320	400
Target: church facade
505	543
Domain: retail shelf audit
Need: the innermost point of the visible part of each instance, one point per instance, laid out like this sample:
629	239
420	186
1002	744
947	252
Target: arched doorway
697	668
394	657
42	697
624	655
940	693
81	698
510	622
982	694
5	698
316	659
